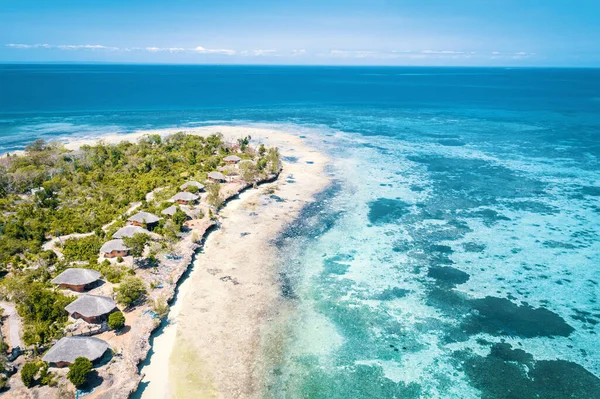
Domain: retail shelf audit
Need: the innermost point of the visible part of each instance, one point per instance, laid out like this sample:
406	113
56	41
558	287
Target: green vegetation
130	290
160	307
116	320
86	248
179	218
79	370
213	198
42	311
28	373
52	192
136	244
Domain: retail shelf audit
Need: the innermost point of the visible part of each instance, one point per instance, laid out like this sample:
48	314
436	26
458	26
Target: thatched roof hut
114	245
184	197
67	349
188	184
130	231
76	279
170	211
91	308
216	176
143	217
232	159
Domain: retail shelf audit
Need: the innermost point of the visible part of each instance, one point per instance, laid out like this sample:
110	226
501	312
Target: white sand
212	347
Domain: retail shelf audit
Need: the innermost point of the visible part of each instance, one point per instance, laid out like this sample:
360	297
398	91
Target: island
94	239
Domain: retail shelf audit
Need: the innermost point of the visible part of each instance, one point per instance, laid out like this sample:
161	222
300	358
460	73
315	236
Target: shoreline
306	166
225	305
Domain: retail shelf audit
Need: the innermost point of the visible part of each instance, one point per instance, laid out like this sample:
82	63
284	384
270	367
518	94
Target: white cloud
258	53
298	52
203	50
64	46
356	54
441	52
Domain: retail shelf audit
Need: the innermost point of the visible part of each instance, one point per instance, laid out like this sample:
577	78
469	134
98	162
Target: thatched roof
68	349
232	158
114	245
129	231
143	217
77	276
184	196
169	211
190	184
216	176
91	305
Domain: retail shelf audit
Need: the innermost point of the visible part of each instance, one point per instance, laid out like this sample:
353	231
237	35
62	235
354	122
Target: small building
114	249
143	219
232	159
170	211
216	177
67	349
77	279
184	198
92	308
130	231
185	186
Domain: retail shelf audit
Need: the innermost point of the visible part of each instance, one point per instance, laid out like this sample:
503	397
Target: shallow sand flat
212	347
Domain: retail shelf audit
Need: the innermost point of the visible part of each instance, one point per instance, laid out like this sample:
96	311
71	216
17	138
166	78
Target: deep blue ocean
456	255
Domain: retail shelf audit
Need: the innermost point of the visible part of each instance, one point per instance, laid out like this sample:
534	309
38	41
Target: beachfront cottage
170	211
92	308
114	249
216	177
77	279
144	219
67	349
129	231
184	198
185	186
232	159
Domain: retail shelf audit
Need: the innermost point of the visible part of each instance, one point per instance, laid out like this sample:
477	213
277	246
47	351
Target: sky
303	32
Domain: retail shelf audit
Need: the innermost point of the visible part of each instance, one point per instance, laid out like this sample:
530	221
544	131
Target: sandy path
212	349
14	324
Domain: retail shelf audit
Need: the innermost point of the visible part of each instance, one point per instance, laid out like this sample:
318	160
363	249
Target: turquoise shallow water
457	253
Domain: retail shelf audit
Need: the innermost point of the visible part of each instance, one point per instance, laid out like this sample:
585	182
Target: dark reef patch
468	183
505	352
332	266
591	191
451	143
502	375
558	244
447	275
489	216
531	206
391	293
495	316
387	210
473	247
499	316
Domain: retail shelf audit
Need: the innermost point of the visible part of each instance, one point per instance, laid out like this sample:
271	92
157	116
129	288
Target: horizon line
298	65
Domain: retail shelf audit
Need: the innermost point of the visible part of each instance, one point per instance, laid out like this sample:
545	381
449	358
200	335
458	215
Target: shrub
120	259
46	377
130	290
79	370
28	373
160	307
116	321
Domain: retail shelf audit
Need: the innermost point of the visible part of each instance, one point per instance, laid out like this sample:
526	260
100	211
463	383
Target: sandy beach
212	346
